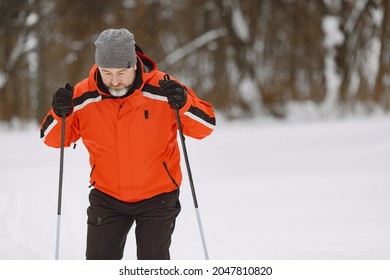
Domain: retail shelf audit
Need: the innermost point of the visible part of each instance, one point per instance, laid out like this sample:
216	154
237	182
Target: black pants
109	221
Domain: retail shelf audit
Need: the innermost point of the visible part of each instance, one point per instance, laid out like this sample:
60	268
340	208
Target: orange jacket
132	141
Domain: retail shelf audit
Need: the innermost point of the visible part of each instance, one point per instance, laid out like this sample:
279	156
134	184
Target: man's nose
115	81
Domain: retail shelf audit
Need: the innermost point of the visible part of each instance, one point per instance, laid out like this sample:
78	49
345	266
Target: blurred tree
382	83
247	57
363	58
14	44
291	66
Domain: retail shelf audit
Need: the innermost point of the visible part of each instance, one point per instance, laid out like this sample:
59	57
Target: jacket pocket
93	167
170	175
90	176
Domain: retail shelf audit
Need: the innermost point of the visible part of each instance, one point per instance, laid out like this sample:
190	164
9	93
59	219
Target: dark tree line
247	57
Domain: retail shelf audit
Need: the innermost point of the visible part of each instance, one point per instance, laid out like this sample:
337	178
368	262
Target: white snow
32	19
266	190
333	37
239	25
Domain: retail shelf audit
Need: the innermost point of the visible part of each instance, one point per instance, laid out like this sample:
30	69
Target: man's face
118	80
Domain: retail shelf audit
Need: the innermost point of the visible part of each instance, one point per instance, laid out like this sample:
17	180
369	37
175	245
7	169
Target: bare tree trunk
381	85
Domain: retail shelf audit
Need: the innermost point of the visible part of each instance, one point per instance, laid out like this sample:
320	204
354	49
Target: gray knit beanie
115	48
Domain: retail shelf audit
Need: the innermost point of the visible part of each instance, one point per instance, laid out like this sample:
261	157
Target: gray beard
118	93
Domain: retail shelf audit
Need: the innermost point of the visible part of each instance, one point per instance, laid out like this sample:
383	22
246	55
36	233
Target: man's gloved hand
62	100
175	92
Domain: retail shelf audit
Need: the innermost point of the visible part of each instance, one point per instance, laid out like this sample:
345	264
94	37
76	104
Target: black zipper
170	176
90	175
93	167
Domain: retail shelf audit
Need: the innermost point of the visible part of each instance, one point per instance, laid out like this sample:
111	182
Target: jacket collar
146	68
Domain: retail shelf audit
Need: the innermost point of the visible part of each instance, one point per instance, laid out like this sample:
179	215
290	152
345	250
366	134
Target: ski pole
63	118
182	140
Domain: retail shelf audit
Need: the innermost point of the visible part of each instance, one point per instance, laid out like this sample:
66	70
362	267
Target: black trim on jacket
48	121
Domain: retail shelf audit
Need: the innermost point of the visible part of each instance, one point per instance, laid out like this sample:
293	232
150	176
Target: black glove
175	92
62	101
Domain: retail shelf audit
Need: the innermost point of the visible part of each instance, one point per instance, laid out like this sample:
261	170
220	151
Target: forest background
247	57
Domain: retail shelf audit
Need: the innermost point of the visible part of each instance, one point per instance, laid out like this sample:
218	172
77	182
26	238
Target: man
123	112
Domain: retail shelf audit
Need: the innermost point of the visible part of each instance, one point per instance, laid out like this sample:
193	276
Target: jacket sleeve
197	116
51	130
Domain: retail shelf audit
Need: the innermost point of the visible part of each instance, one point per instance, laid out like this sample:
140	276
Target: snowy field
266	190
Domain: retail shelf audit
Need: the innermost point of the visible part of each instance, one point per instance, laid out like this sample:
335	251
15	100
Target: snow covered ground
266	190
